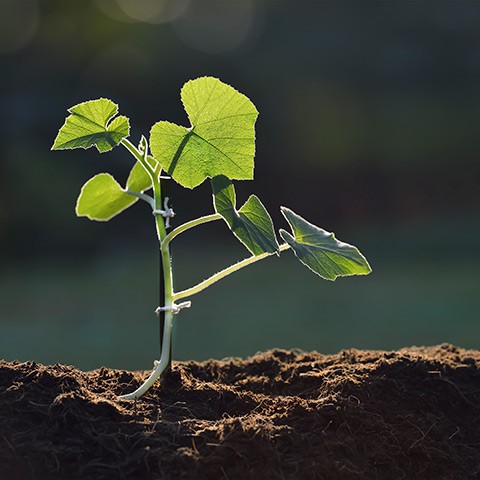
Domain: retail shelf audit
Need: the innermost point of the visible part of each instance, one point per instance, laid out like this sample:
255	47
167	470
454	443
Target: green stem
188	225
167	274
224	273
163	365
142	196
139	157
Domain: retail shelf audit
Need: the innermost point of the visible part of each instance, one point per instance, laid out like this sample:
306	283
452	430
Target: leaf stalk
224	273
186	226
142	196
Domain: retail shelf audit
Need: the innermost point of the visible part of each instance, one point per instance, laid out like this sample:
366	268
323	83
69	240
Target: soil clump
407	414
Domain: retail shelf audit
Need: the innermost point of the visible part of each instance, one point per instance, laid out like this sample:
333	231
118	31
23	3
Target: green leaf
251	224
220	141
90	123
320	251
102	198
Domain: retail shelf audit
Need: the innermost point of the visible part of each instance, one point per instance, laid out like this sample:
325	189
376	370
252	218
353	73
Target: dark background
369	127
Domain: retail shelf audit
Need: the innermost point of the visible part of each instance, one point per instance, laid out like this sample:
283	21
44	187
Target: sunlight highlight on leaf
220	141
90	124
320	251
251	224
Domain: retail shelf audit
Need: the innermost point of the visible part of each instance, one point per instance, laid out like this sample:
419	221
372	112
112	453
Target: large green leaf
220	141
90	123
102	198
251	224
320	251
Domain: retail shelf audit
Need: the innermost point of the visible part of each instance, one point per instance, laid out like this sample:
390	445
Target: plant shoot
219	145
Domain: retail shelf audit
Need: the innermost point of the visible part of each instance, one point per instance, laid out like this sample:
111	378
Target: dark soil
410	414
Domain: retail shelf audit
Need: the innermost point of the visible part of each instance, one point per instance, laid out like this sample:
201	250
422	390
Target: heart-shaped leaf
220	141
251	224
90	123
320	251
102	198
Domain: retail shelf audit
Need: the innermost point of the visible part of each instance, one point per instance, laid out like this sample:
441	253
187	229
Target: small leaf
102	198
251	224
320	251
220	141
88	125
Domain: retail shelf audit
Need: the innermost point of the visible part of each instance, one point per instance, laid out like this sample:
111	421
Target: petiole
142	196
186	226
224	273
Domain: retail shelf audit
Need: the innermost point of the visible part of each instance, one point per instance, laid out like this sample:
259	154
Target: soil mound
408	414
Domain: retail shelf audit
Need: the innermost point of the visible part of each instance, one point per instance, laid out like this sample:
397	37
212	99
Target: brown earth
409	414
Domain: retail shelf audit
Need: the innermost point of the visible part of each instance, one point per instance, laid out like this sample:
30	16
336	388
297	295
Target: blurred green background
369	127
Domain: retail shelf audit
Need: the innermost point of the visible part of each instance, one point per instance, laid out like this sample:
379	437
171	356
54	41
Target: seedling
219	145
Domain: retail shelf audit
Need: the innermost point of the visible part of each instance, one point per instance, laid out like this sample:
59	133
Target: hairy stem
166	317
224	273
188	225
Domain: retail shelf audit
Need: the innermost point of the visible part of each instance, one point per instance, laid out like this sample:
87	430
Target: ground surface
410	414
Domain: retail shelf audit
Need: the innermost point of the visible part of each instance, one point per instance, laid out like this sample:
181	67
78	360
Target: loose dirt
409	414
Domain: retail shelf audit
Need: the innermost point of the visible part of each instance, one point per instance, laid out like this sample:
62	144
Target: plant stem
138	156
142	196
224	273
161	366
164	363
188	225
166	325
166	273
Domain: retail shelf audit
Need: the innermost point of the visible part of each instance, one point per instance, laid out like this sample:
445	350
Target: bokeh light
157	11
216	26
368	127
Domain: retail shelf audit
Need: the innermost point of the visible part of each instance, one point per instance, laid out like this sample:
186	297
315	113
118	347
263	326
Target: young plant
219	145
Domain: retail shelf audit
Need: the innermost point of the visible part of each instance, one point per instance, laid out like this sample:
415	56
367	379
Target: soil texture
408	414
